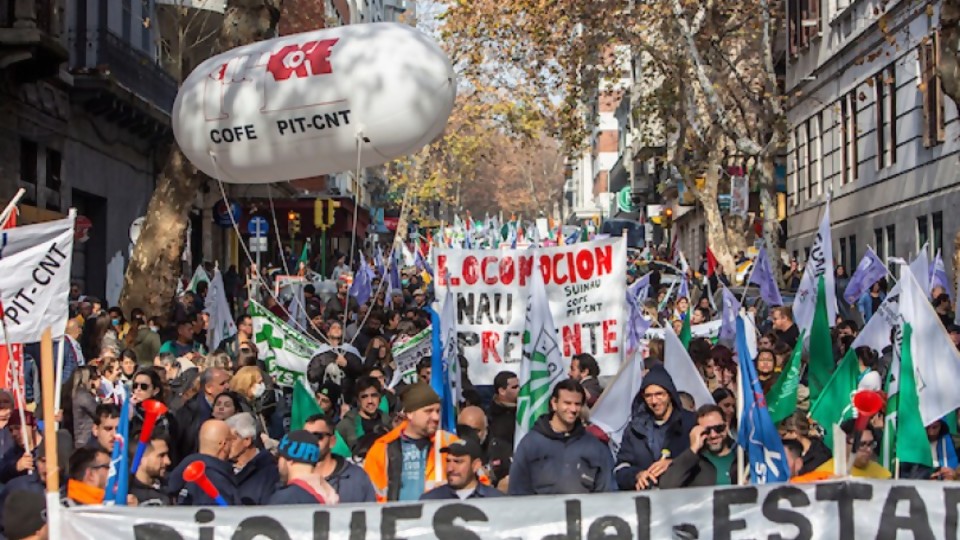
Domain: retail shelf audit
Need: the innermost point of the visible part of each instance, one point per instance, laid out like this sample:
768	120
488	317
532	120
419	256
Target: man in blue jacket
558	456
349	481
215	440
659	431
258	475
464	460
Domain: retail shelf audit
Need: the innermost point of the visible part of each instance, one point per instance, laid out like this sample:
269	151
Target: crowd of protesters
225	410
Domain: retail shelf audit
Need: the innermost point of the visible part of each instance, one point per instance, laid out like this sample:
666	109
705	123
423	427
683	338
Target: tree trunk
716	232
150	282
771	226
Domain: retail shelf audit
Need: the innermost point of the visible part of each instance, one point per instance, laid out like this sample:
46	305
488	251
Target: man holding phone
710	460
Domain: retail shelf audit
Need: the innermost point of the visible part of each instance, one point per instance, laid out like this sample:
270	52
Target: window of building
146	26
922	235
843	253
803	23
804	158
879	106
852	245
891	93
54	162
890	244
126	20
848	138
878	242
818	168
933	112
937	226
28	161
796	166
811	155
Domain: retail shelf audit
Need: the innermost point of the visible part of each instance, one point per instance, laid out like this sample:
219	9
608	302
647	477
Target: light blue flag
684	290
379	262
637	326
573	238
440	373
118	482
869	270
938	275
757	435
762	277
728	317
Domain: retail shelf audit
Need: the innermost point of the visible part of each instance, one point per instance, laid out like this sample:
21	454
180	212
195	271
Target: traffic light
293	222
324	213
666	218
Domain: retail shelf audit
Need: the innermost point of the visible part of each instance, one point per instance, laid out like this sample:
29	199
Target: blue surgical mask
405	282
116	322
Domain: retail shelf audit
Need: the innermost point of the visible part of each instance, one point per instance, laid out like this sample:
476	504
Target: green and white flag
285	351
407	353
541	366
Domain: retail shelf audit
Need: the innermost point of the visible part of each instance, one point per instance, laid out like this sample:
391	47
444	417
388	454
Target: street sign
258	227
258	244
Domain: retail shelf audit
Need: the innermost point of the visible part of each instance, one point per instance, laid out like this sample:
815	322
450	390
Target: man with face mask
349	481
256	470
147	483
215	442
710	460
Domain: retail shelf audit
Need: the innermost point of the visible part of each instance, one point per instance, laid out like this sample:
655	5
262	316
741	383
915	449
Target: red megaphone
196	473
152	409
867	403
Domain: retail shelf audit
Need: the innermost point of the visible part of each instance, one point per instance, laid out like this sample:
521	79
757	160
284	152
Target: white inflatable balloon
296	106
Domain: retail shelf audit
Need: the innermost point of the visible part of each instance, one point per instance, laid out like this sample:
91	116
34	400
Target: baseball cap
24	513
463	447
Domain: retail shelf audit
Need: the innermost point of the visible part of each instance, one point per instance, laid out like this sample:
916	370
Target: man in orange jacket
406	462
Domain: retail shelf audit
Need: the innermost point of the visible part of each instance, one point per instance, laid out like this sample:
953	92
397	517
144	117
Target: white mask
259	389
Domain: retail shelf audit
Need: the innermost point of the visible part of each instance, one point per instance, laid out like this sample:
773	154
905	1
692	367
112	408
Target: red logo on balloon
309	59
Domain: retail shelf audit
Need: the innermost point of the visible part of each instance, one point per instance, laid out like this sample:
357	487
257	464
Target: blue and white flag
938	275
684	290
762	277
573	238
422	264
444	363
362	286
118	481
378	261
728	317
757	435
637	325
869	271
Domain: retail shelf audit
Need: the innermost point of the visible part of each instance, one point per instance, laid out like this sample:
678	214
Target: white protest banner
585	284
407	354
285	351
35	278
841	510
708	330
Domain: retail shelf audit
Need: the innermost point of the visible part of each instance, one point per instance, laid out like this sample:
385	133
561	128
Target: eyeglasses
719	428
872	445
142	386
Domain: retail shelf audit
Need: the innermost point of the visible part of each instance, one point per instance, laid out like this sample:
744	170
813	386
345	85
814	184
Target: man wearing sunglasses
710	460
349	481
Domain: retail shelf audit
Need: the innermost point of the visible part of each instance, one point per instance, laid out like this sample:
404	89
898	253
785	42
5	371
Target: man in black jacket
214	449
710	460
349	481
191	417
585	370
258	474
464	461
146	484
786	329
503	408
658	432
558	456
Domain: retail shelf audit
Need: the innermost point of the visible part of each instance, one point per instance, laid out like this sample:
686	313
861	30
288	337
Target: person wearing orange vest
406	462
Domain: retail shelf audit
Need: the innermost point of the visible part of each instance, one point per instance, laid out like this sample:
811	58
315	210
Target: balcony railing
135	70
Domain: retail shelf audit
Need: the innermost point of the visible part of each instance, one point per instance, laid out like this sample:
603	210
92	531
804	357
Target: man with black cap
299	455
25	516
464	460
402	464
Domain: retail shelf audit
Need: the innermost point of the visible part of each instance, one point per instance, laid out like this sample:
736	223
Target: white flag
199	275
920	268
819	263
677	362
612	411
285	351
541	366
35	279
936	361
221	324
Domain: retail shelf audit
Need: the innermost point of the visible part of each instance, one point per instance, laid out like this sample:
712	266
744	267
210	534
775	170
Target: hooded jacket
351	483
503	422
644	441
551	463
384	463
350	426
258	479
218	471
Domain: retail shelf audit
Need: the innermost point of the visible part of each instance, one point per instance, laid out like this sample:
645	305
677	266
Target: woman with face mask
249	387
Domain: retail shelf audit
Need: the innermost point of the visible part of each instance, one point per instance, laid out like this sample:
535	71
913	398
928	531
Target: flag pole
50	433
746	284
12	205
58	387
17	388
741	472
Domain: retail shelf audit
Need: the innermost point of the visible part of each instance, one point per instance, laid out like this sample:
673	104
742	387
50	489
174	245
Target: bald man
496	453
214	449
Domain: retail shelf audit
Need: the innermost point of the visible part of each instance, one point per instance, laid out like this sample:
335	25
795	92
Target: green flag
821	361
305	253
888	450
911	442
303	406
834	404
685	333
782	398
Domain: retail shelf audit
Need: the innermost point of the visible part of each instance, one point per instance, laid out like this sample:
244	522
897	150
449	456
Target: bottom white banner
842	510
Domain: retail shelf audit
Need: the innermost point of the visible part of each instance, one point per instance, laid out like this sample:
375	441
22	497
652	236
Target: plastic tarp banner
828	510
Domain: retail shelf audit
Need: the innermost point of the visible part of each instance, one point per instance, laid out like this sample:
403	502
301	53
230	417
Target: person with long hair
379	354
815	453
80	403
147	385
727	401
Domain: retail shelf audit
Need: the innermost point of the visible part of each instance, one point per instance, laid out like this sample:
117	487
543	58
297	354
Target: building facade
871	127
